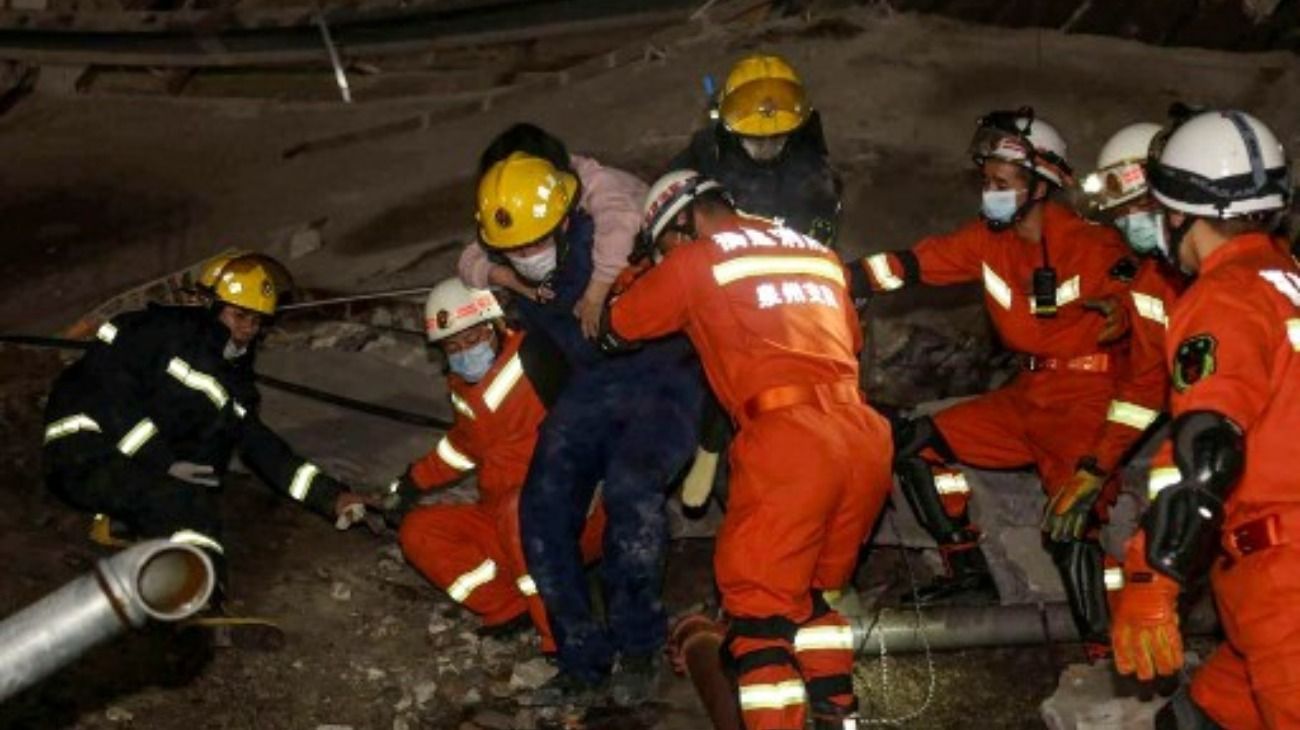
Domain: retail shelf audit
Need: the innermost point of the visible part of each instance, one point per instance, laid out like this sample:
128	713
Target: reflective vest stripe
106	333
1161	478
137	437
198	539
745	267
453	457
1293	333
460	588
1114	578
816	638
526	585
239	409
495	394
997	288
878	264
950	483
1065	293
69	425
1131	414
462	406
772	696
302	479
198	380
1151	308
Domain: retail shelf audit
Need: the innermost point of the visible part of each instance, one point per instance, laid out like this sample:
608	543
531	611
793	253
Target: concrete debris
118	714
374	674
1093	697
346	336
340	591
303	242
333	727
424	692
493	720
532	674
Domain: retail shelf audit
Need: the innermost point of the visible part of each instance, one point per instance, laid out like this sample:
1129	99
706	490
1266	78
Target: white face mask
763	149
535	267
233	351
472	364
999	206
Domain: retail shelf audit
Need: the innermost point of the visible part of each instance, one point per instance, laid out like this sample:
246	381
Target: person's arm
272	459
657	304
953	258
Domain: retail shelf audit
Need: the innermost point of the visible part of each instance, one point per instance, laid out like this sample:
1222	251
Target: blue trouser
635	428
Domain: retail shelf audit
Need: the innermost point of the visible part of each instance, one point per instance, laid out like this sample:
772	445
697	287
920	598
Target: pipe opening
174	583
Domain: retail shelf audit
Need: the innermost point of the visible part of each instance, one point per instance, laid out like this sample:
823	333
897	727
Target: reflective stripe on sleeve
526	585
997	288
137	437
302	479
1161	478
452	456
1293	333
198	539
951	483
745	267
1131	414
198	380
462	406
815	638
772	696
878	265
106	333
69	425
460	588
1151	308
239	409
495	394
1114	578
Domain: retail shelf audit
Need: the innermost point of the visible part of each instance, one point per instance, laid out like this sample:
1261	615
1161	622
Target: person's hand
350	508
1144	626
200	474
1116	322
590	307
1066	516
505	277
698	484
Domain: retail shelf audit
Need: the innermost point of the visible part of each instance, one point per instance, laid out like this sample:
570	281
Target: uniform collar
1238	246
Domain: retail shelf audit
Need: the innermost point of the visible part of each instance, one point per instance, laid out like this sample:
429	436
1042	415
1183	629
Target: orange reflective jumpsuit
768	312
1075	397
1234	347
473	551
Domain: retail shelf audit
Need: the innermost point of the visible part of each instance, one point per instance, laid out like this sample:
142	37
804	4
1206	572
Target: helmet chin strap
1176	236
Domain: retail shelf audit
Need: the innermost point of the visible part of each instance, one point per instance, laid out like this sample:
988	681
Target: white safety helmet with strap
1221	164
1022	139
668	197
453	307
1121	175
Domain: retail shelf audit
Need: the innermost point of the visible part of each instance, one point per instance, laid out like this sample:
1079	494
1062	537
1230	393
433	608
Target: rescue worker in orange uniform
1224	487
1069	413
1119	192
769	313
473	551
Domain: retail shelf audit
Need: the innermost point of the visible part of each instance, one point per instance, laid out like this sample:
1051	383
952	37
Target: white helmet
453	307
1221	164
1121	166
668	196
1020	138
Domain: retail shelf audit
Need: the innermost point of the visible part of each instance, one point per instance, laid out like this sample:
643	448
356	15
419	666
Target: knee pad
1182	713
1083	575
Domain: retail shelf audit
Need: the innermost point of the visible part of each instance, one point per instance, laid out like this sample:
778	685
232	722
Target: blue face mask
1144	231
472	364
999	206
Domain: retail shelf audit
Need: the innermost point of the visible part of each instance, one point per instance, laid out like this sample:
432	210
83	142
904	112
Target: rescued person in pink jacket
612	197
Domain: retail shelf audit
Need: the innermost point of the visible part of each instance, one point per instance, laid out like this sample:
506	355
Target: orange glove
1144	625
1067	514
1117	322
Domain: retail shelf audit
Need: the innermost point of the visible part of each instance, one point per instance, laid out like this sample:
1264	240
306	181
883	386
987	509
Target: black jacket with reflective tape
155	387
799	187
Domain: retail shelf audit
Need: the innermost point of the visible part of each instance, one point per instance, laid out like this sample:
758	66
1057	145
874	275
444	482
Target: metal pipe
340	76
695	648
159	580
945	628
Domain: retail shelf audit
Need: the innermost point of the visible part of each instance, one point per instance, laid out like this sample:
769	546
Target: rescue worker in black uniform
142	428
767	149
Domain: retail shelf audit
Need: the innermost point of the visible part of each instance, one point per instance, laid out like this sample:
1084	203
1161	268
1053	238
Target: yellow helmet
763	97
250	282
213	266
521	200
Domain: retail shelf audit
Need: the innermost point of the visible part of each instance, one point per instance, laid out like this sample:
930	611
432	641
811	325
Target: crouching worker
142	428
473	551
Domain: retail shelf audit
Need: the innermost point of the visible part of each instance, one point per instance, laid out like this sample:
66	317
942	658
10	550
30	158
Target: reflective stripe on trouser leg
938	514
824	649
771	690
